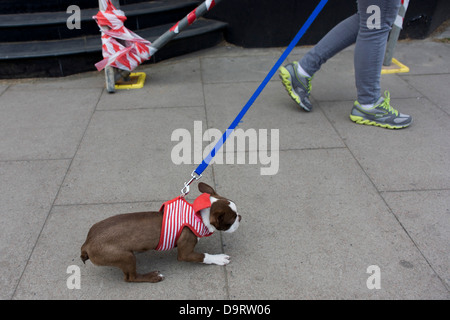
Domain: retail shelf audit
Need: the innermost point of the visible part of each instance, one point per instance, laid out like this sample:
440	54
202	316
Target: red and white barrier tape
192	16
399	20
126	57
135	49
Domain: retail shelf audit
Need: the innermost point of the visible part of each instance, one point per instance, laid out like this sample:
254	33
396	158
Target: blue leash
197	173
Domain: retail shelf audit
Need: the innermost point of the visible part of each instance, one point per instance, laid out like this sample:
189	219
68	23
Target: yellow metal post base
395	67
136	81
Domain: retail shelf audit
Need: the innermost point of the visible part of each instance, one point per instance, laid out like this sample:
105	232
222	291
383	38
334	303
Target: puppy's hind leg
126	261
128	266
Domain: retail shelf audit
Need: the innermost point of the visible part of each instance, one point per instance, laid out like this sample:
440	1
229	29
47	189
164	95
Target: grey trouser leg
369	50
336	40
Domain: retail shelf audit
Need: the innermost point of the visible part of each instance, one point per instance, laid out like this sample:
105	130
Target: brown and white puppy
113	241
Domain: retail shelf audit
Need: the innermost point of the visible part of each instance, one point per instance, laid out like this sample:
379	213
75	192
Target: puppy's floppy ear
204	188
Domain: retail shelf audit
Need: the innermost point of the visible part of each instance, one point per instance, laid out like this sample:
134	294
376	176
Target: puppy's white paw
219	259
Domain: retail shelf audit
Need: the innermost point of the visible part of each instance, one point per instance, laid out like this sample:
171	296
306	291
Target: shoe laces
308	83
386	103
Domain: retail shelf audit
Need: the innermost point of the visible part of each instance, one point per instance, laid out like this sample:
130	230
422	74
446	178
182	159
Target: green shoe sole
286	80
361	120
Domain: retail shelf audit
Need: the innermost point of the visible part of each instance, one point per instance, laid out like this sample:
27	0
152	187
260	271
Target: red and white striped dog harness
178	213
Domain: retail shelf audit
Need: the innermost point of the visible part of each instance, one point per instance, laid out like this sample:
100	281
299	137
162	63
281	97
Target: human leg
371	46
371	108
297	76
337	39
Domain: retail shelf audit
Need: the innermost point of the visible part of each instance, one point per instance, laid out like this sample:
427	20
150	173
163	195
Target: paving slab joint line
414	190
225	272
109	203
147	108
213	176
351	101
29	160
8	86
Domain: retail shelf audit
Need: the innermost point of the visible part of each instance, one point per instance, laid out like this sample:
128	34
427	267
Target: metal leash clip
194	177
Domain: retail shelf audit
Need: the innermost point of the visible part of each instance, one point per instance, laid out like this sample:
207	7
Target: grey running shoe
381	115
296	85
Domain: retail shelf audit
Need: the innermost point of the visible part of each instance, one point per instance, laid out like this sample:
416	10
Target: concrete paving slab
46	275
27	191
425	216
239	68
226	49
126	156
415	158
311	232
86	80
274	109
185	89
424	57
44	124
431	86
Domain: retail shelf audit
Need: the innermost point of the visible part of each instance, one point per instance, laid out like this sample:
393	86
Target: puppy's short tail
84	256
